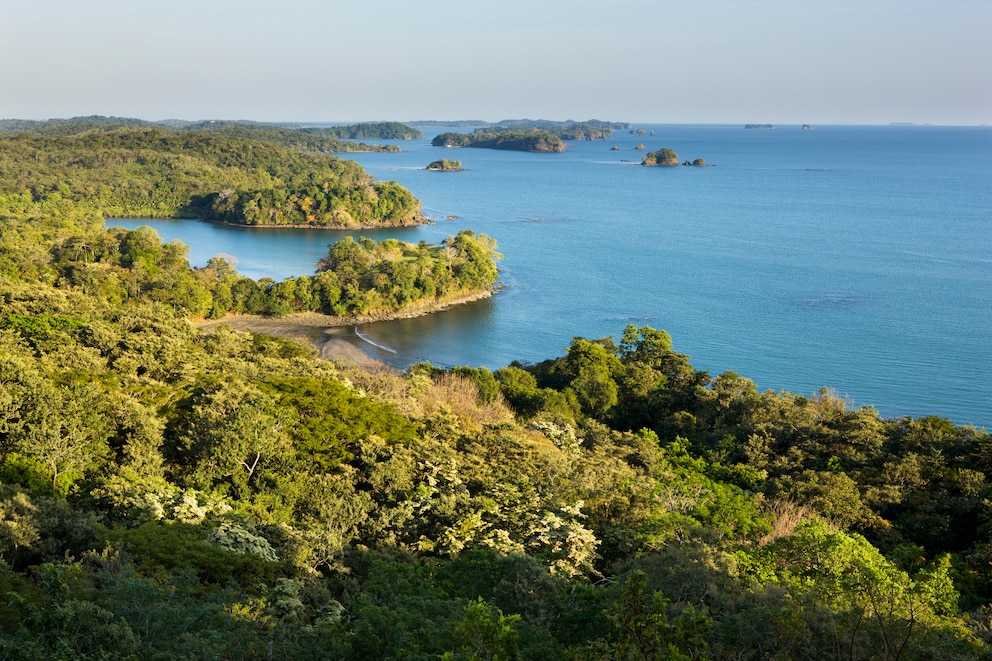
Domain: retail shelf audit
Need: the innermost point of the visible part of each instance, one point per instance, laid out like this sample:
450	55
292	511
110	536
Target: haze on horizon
659	61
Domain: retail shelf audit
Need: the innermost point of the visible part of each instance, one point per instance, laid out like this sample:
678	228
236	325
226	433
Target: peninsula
356	281
242	175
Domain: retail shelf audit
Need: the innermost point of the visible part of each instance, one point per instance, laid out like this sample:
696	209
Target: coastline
416	221
329	334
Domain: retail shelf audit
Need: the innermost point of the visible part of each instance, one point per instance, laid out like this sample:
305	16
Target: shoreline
329	334
417	221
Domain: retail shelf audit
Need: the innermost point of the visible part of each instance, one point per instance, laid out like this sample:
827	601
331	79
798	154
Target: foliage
368	131
168	493
532	140
663	156
444	165
153	172
391	275
302	138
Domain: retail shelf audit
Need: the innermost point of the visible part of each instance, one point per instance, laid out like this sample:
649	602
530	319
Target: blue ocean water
857	258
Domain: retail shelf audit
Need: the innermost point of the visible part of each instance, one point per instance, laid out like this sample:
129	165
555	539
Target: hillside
152	172
171	493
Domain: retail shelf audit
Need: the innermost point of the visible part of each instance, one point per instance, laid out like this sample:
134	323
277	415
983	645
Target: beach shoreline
335	338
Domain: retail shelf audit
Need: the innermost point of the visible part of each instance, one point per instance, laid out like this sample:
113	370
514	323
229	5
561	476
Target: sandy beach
333	337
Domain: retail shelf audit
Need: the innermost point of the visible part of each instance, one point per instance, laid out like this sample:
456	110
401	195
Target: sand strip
332	336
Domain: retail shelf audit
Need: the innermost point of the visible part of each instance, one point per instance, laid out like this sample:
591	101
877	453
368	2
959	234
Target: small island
528	135
528	139
444	165
663	157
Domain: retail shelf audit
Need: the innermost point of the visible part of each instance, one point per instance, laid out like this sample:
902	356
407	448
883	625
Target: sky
646	61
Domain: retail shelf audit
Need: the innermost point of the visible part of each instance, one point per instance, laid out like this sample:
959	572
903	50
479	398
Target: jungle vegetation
664	157
444	165
168	493
303	138
589	128
592	129
528	135
217	175
532	140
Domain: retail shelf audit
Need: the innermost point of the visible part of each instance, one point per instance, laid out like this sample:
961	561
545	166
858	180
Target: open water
857	258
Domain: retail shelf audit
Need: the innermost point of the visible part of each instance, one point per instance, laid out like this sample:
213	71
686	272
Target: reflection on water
443	338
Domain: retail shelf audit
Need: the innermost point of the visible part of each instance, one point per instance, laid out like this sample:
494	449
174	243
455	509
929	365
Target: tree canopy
664	156
171	493
151	172
532	140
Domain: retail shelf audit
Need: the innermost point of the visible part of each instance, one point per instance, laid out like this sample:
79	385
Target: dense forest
590	129
169	493
527	135
532	140
304	138
444	165
241	179
370	131
663	157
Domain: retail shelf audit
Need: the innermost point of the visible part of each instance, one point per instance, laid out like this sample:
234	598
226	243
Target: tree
231	433
664	157
590	370
65	429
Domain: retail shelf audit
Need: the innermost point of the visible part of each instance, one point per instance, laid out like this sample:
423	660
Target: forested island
588	130
532	140
444	165
667	157
170	493
238	175
663	157
527	135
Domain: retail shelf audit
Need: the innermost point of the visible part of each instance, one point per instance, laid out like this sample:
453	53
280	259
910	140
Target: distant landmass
528	135
547	124
759	126
531	140
237	174
300	137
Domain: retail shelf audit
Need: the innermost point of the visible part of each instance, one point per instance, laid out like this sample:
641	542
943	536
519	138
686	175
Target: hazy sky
682	61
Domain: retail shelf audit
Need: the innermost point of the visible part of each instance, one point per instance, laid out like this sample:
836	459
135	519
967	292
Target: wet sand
333	337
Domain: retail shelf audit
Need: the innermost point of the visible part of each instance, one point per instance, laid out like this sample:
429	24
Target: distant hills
285	132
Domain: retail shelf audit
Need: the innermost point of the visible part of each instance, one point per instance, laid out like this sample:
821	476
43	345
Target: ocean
855	258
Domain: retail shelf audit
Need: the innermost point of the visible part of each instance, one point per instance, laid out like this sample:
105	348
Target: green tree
665	157
232	433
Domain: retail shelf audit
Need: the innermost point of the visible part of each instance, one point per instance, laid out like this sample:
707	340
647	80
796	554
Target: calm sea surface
858	258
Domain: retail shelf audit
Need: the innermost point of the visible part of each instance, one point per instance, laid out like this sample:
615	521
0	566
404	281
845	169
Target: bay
857	258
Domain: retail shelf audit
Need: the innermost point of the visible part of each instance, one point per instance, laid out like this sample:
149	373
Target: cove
799	259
